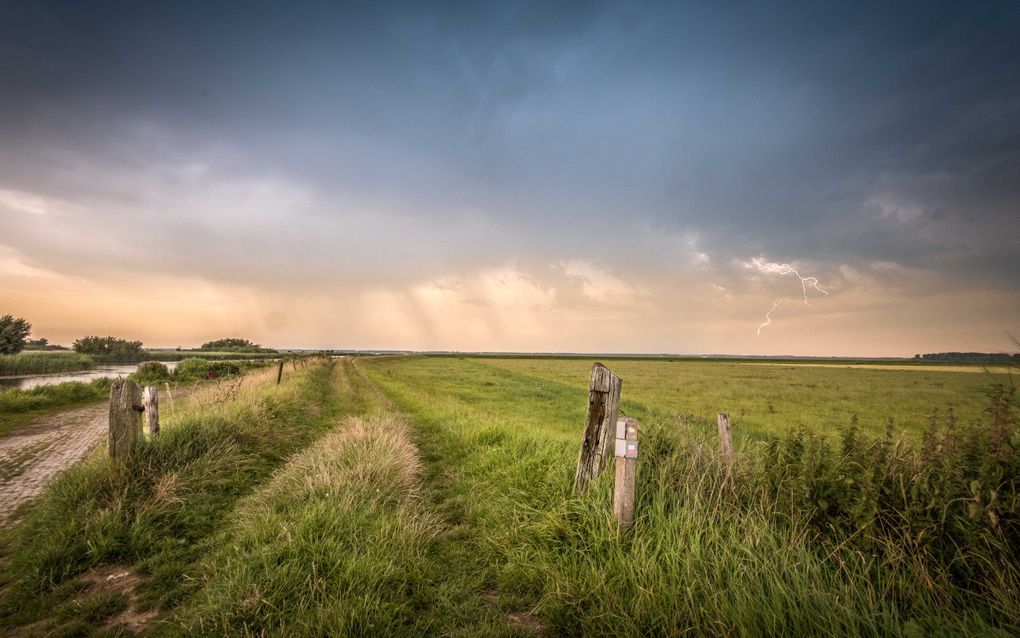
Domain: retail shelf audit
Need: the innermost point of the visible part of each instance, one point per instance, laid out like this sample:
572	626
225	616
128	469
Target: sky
514	176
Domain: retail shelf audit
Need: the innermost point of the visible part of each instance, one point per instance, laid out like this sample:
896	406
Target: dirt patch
118	579
525	621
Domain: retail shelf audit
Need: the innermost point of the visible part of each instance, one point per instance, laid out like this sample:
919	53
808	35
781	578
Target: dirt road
32	455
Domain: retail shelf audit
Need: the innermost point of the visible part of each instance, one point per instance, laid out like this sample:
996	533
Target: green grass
44	363
18	407
756	552
159	512
771	398
433	496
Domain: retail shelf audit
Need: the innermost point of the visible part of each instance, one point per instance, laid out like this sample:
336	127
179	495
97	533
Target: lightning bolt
768	316
771	267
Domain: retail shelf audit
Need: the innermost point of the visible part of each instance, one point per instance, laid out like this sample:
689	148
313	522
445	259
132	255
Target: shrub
234	345
110	349
193	368
151	372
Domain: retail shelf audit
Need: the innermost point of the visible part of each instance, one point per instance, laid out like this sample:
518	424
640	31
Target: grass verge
18	407
158	512
44	363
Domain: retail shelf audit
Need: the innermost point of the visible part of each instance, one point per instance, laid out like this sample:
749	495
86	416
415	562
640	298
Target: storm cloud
549	176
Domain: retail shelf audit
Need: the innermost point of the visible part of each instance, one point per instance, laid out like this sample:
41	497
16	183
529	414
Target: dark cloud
433	136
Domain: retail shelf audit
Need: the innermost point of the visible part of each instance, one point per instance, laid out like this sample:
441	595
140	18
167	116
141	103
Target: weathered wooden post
626	471
171	396
150	402
279	372
125	418
603	408
725	436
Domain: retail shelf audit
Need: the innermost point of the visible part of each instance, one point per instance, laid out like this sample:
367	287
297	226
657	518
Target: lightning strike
768	316
772	267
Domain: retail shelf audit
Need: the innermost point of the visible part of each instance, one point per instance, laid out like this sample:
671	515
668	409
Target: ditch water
30	381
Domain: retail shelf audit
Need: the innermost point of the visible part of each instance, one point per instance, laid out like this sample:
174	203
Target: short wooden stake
171	396
150	401
125	418
725	436
279	372
597	440
626	471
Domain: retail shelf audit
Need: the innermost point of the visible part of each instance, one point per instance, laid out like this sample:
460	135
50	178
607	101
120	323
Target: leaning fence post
279	372
150	401
603	408
125	418
725	436
626	471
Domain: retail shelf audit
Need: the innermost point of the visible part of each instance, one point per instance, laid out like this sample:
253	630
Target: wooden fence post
626	471
725	436
603	408
150	401
125	418
279	372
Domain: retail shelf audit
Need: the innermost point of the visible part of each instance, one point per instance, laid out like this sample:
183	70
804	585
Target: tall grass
333	545
804	534
44	363
159	511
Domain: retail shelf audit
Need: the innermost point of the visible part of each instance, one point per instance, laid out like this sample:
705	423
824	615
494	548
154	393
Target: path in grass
33	456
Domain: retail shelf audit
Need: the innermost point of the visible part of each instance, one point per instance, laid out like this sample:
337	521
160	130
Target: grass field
433	496
38	362
766	398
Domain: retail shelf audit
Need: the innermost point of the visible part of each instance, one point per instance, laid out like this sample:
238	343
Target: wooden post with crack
626	471
599	425
125	418
279	373
725	436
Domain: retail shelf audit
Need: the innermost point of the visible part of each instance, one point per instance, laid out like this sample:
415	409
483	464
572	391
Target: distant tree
110	348
13	333
233	344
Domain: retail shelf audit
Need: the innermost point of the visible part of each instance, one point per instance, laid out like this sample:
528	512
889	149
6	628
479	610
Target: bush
234	345
110	349
195	368
151	372
949	507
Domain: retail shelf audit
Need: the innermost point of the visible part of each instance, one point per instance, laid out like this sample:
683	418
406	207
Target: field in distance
767	397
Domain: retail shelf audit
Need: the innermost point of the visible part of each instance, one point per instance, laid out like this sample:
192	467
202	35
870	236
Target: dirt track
32	455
